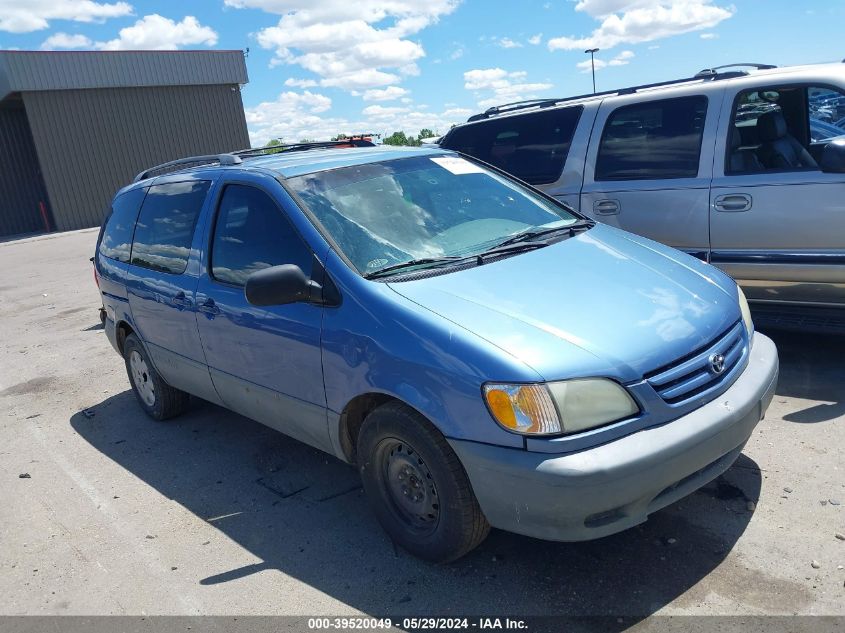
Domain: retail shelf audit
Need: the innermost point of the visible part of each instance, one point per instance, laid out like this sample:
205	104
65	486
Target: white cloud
293	116
300	83
25	16
603	8
634	21
154	32
350	45
709	36
535	39
387	94
587	66
66	40
507	42
457	53
622	59
501	86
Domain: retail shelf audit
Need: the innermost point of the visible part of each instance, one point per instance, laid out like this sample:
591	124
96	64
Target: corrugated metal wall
27	71
21	186
92	142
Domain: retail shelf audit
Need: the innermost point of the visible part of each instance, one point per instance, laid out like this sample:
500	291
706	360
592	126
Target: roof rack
356	141
222	159
708	74
236	157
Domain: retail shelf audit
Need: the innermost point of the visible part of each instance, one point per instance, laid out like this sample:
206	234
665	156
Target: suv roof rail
354	141
706	72
236	157
222	159
710	75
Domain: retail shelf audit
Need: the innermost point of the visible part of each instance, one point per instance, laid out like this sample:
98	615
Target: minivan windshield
421	209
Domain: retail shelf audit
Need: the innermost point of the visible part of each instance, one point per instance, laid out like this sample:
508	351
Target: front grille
693	375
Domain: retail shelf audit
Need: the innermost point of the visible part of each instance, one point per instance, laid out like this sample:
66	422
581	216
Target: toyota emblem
717	363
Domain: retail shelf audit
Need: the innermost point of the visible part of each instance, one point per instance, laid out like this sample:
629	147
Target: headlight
567	406
746	311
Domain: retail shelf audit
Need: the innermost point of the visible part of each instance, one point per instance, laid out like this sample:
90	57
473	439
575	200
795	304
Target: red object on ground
43	208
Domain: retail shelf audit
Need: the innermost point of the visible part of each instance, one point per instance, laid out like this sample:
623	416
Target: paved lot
215	514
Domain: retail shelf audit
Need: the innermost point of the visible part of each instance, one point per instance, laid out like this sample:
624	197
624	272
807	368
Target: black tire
436	516
167	402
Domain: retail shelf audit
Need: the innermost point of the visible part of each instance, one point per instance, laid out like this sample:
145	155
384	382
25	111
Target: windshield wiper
531	235
500	249
423	261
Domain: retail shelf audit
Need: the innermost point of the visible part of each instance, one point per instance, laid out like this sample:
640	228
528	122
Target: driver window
252	233
783	128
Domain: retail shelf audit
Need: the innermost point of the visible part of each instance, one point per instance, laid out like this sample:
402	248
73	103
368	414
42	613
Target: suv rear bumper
605	489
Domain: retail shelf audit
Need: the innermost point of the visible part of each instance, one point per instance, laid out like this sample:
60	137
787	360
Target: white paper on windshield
457	165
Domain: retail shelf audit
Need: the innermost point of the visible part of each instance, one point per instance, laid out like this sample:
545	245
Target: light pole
592	52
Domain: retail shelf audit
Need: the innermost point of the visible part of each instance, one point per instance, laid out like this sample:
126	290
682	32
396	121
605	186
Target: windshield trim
335	246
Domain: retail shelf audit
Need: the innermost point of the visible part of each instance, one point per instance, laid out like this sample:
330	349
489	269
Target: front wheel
158	399
417	486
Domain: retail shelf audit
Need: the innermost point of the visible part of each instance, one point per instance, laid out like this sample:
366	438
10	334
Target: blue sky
319	67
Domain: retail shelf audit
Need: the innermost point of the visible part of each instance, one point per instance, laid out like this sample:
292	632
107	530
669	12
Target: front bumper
609	488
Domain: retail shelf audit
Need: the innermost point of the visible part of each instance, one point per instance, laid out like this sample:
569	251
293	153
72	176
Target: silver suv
741	168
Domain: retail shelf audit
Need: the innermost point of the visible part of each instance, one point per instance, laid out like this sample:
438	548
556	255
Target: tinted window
252	233
658	139
166	224
826	108
117	234
532	147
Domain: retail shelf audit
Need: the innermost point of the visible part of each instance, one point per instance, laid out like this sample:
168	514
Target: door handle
209	307
606	207
181	301
732	202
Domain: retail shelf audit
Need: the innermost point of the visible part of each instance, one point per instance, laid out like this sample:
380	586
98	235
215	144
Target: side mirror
280	285
833	157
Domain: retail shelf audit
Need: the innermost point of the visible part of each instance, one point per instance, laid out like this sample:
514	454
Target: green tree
274	142
397	138
426	133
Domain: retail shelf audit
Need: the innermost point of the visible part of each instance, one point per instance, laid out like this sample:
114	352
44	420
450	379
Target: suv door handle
209	307
732	202
606	207
181	301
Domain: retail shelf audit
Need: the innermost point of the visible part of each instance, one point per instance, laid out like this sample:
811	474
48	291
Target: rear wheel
417	486
156	397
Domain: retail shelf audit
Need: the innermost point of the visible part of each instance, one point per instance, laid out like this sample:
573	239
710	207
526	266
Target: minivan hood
604	303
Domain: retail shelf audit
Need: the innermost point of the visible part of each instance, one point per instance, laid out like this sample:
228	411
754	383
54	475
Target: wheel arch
357	410
123	329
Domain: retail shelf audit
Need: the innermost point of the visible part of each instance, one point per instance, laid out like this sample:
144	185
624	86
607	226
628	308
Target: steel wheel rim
409	486
142	379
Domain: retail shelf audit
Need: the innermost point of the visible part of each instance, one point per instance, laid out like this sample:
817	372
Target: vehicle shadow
303	512
811	367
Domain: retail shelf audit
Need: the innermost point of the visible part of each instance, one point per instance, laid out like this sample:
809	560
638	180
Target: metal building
76	126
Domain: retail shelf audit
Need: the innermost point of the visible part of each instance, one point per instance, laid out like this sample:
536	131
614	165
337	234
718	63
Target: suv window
783	127
653	140
253	233
166	225
533	147
117	233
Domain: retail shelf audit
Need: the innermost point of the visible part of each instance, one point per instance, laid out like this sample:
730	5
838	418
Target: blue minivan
483	354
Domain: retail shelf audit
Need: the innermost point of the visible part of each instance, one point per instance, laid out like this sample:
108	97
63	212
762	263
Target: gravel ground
106	512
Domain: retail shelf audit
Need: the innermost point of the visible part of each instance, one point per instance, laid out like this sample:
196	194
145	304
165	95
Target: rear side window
533	147
653	140
252	233
166	224
117	233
